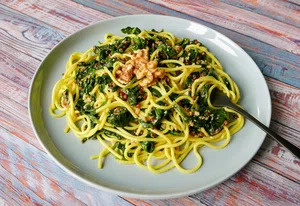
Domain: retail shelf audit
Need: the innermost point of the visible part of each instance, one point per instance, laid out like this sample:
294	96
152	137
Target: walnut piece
145	69
125	74
142	68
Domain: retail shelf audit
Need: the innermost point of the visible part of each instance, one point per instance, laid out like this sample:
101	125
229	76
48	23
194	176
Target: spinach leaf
111	134
148	146
121	147
193	54
135	95
106	80
186	118
131	30
185	103
84	69
93	119
227	83
138	43
184	42
174	132
109	62
203	95
155	92
132	96
156	116
213	73
119	117
159	114
174	96
103	51
84	108
103	81
215	124
121	45
87	85
93	137
150	43
188	81
146	124
157	31
167	52
79	105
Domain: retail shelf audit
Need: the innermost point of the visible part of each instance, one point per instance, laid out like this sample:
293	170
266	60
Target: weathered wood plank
16	72
15	119
63	15
3	201
275	158
265	29
11	186
253	185
296	2
30	177
285	104
118	8
27	34
187	201
265	186
277	9
274	62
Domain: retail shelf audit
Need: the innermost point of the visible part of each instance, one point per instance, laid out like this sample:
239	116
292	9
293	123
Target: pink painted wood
267	30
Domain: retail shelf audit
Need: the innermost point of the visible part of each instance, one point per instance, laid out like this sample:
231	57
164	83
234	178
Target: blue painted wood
280	10
32	37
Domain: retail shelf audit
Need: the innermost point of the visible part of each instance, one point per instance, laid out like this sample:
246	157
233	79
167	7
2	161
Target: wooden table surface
268	30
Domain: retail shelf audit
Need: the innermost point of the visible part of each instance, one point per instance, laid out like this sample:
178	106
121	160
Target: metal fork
219	99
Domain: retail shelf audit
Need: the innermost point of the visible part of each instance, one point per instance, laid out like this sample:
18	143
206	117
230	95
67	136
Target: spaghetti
146	98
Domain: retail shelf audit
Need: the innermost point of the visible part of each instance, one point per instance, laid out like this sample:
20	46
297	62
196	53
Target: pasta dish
145	97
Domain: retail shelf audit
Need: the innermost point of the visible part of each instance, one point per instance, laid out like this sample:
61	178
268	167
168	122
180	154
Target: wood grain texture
248	23
286	104
280	10
27	34
63	15
188	201
29	176
296	2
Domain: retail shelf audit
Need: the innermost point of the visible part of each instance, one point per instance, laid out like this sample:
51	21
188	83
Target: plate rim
134	194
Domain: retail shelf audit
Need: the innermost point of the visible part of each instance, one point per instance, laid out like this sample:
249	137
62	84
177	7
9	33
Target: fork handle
289	146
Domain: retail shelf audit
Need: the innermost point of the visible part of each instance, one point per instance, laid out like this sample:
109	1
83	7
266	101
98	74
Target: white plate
130	180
